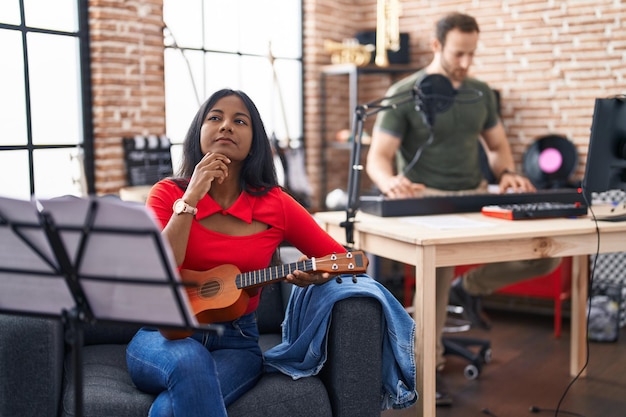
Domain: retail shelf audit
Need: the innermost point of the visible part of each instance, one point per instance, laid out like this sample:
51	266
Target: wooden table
429	242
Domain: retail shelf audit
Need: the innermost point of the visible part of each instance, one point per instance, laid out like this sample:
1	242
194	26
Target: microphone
435	94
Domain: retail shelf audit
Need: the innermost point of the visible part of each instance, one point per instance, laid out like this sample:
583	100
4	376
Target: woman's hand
302	279
212	167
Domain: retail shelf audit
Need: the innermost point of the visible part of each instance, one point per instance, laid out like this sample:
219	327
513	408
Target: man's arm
501	161
380	167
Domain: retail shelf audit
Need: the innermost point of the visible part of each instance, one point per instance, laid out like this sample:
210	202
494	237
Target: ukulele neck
275	273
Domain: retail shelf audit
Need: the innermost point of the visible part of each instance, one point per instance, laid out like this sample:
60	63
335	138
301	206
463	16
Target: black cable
589	289
418	153
535	409
488	412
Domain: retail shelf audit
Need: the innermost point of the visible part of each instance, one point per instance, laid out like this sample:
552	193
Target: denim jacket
303	348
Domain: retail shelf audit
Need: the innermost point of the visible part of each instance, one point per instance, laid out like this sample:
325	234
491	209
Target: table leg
425	337
578	341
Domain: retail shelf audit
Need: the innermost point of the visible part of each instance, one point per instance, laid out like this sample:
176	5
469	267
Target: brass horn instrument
387	29
349	51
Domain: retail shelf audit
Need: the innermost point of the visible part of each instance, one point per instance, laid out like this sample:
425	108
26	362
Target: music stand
88	260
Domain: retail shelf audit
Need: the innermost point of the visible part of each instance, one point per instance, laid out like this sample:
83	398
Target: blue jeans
199	375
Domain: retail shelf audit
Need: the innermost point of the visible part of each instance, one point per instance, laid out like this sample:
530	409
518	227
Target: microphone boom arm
433	94
361	113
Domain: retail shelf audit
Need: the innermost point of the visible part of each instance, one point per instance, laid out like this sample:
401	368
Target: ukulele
222	293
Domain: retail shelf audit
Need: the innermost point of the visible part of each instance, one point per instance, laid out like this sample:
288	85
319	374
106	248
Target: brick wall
550	59
127	76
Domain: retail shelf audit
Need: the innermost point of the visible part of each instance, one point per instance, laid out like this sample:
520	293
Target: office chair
475	350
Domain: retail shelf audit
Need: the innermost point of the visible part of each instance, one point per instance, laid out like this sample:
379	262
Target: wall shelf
353	72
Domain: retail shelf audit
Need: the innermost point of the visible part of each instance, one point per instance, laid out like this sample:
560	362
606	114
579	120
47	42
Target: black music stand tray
88	260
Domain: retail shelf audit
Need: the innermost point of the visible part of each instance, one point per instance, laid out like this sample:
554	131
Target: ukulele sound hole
209	289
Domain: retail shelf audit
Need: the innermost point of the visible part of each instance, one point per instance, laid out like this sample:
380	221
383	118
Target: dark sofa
36	368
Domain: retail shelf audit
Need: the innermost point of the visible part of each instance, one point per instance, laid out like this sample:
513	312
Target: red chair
556	286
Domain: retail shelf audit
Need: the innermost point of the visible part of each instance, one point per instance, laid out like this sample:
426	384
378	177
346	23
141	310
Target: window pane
286	33
264	26
55	88
184	20
12	96
14	174
47	14
278	99
181	103
57	172
259	20
288	99
241	40
222	30
254	69
177	157
223	71
10	12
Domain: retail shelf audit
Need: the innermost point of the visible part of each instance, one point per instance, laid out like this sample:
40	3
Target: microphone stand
361	113
433	94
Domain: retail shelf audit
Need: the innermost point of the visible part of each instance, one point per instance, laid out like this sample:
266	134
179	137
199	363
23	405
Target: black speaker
621	151
400	56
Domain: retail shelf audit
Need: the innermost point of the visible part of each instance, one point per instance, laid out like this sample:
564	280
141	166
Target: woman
225	208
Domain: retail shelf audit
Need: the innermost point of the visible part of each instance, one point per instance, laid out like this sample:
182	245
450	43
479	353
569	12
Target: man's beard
457	75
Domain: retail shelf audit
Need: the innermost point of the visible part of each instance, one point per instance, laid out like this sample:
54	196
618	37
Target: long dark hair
258	174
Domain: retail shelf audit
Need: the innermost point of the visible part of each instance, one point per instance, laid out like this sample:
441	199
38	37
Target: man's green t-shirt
451	161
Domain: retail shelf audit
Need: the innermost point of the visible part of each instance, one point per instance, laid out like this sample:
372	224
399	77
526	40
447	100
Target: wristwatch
181	207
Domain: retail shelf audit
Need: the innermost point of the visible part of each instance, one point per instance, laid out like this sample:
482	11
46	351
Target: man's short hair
463	22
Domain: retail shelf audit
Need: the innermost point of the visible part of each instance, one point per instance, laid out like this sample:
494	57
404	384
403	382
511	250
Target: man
449	162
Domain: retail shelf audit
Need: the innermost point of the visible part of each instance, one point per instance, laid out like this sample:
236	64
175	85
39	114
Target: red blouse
287	221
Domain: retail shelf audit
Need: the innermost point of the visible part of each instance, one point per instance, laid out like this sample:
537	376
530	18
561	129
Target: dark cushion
107	387
109	391
109	333
31	353
360	361
279	395
271	312
269	340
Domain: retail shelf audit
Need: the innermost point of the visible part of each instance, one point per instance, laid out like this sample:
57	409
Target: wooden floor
530	367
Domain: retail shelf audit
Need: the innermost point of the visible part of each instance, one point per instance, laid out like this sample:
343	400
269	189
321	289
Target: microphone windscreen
437	89
433	94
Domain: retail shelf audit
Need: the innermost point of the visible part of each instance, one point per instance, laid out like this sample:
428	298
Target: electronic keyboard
463	203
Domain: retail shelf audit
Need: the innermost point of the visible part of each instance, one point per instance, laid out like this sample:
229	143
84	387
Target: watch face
179	207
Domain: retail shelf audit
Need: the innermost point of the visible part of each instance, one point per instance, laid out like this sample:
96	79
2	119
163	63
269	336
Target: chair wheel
471	371
487	355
